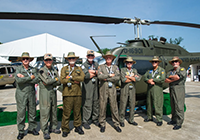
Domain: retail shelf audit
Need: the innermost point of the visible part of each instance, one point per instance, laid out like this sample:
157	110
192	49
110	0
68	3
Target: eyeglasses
174	61
154	61
90	55
25	58
71	58
129	62
48	60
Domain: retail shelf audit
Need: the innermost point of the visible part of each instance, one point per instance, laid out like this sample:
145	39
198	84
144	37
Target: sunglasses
174	61
154	61
25	58
71	58
48	60
129	62
90	55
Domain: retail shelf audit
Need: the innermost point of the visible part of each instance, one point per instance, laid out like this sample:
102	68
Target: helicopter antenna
91	37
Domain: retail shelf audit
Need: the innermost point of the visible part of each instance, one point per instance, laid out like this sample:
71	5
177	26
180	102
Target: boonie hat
25	55
71	54
155	58
129	59
108	53
175	58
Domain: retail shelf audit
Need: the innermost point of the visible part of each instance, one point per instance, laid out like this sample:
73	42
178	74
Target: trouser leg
123	103
45	107
21	112
77	111
131	105
113	106
103	98
87	105
179	104
149	105
158	103
32	112
172	102
95	107
53	113
67	107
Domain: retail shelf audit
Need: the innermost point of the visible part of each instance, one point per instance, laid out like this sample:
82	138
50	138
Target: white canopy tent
40	44
4	61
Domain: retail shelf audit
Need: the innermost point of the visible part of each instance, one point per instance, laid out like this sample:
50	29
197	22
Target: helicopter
141	50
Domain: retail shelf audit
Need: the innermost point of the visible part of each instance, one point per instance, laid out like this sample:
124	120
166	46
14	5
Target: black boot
79	130
20	136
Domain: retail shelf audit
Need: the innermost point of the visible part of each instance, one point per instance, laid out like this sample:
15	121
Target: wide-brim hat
129	59
175	58
71	54
108	53
25	55
155	58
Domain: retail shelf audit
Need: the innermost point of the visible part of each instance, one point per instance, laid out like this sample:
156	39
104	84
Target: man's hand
20	75
76	82
150	81
112	75
92	75
167	80
132	78
67	77
32	77
56	79
91	71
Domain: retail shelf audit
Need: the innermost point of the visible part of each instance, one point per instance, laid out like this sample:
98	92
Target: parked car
7	75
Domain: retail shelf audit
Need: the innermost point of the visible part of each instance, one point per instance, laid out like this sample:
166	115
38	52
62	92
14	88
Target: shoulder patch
150	71
162	72
182	69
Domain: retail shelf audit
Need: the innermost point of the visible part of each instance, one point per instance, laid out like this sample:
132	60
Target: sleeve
86	72
36	79
63	76
146	78
21	80
57	83
80	77
137	79
101	76
182	73
168	74
123	74
116	77
46	79
162	77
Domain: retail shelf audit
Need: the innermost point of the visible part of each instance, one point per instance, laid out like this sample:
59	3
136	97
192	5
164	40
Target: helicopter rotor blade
176	23
61	17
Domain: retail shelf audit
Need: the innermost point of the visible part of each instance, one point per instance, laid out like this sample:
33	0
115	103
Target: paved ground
144	131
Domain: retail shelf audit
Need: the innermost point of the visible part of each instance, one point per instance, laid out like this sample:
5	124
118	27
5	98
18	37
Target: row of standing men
93	104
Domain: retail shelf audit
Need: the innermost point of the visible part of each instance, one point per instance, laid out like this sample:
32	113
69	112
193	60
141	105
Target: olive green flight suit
72	96
155	93
48	98
106	92
90	93
25	97
128	90
177	95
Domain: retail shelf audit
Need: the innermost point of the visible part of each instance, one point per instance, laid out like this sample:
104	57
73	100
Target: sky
79	33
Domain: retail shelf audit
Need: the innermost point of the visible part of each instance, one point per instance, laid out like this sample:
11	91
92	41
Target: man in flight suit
155	78
71	76
26	77
176	79
49	79
90	91
108	75
129	77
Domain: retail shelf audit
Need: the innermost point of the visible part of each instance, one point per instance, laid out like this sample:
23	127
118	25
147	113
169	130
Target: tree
104	50
176	41
1	43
